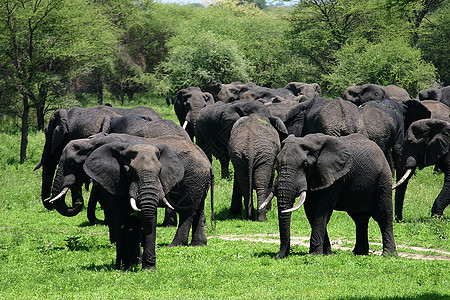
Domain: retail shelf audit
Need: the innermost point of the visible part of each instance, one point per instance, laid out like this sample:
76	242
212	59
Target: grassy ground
46	255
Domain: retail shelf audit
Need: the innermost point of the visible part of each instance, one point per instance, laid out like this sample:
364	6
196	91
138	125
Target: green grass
45	255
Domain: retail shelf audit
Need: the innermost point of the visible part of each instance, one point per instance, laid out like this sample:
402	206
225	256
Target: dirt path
337	244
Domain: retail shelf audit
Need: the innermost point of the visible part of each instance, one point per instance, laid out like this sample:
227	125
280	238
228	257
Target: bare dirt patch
338	244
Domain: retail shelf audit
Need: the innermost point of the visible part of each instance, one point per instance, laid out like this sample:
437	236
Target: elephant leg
327	244
383	216
362	240
224	168
443	199
182	235
149	245
236	198
131	235
261	195
92	203
198	227
400	198
170	218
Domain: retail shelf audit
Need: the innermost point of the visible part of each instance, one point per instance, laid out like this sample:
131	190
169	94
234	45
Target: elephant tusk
185	124
133	204
167	203
268	199
300	203
38	166
403	179
62	194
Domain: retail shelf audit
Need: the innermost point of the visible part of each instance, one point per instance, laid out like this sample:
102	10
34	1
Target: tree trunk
24	131
99	89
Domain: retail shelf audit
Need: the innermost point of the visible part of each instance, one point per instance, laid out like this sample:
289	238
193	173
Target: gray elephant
214	125
328	173
233	91
438	109
187	104
187	197
360	94
436	94
253	147
304	91
265	94
427	143
133	177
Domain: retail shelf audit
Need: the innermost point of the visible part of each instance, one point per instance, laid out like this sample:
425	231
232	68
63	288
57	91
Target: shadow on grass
426	220
100	267
224	214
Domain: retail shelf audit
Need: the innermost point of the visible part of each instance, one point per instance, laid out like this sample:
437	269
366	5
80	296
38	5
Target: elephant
438	109
427	143
304	91
436	94
233	91
360	94
75	123
214	124
329	173
187	104
187	197
265	94
133	177
252	147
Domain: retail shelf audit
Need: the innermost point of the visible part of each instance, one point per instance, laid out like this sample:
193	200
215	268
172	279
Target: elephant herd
288	143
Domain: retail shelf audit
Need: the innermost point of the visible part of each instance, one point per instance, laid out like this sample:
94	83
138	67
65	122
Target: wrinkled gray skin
187	196
188	104
438	109
233	91
360	94
214	124
427	143
436	94
75	123
348	174
304	91
252	147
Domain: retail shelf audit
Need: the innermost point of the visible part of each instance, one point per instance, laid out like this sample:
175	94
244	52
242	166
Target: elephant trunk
59	195
148	200
285	199
48	171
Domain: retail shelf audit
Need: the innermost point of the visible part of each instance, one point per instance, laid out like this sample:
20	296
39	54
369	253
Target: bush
388	62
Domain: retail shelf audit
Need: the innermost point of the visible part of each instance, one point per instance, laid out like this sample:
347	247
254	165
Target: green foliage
383	63
201	58
434	40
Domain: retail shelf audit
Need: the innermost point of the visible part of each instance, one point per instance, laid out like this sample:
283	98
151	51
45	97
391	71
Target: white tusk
300	203
403	179
63	192
268	199
133	204
167	203
185	124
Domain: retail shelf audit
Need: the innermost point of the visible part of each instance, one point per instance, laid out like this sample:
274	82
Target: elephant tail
250	183
213	219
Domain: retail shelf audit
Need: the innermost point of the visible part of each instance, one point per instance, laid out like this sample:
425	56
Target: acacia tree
44	43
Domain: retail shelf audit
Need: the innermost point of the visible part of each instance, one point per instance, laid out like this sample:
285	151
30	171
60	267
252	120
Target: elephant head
360	94
430	94
304	91
142	173
188	104
233	91
311	163
426	142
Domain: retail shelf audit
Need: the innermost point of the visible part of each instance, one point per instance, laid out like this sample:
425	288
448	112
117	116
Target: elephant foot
149	268
282	254
389	253
360	252
262	218
329	252
235	211
176	243
198	243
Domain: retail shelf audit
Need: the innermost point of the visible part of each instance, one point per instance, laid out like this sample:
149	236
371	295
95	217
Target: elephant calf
253	147
349	173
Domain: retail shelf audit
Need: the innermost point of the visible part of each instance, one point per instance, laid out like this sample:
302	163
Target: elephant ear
295	119
104	167
438	142
59	125
106	126
333	160
172	170
317	89
209	99
415	110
